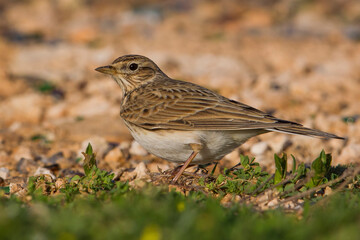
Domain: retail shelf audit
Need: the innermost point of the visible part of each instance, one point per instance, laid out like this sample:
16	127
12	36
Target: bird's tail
300	130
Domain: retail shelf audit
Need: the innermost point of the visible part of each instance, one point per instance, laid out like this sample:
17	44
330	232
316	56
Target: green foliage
281	168
94	206
45	87
250	179
94	181
155	213
320	169
40	137
242	180
89	161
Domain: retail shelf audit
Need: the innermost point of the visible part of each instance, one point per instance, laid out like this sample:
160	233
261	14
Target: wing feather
177	105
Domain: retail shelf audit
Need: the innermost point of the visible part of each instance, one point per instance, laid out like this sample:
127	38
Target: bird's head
132	71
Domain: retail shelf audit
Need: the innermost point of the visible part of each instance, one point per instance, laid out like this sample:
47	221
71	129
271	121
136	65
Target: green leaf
281	168
300	172
46	87
75	178
244	160
289	187
220	179
89	161
319	169
89	149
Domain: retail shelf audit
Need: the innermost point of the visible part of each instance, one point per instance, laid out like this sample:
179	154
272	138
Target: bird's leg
196	149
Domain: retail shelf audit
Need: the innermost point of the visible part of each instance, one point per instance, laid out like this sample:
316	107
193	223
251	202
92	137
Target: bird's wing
177	105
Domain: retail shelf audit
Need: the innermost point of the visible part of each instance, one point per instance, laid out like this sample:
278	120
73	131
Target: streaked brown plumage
175	119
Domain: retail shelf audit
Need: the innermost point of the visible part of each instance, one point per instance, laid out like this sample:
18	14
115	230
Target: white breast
174	145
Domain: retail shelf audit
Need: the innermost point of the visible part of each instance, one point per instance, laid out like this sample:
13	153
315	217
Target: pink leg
196	149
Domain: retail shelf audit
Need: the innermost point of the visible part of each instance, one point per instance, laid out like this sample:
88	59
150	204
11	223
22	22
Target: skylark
183	122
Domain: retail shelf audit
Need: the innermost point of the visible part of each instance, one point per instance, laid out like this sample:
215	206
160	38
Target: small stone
65	163
273	202
226	200
259	148
26	166
54	158
141	171
349	154
137	149
56	111
154	167
4	173
44	171
289	205
113	158
22	108
125	145
128	175
328	191
21	152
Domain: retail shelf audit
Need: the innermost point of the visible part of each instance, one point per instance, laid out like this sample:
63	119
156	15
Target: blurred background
298	60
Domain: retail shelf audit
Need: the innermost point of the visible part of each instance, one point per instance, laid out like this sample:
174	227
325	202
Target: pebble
125	145
56	111
113	158
44	171
26	165
349	154
227	200
21	152
273	202
158	166
141	171
54	158
66	163
137	149
4	173
259	148
22	108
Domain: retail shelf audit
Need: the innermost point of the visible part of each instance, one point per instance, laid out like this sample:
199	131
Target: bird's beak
106	69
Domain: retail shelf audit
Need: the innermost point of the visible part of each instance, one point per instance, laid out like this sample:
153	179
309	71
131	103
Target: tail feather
300	130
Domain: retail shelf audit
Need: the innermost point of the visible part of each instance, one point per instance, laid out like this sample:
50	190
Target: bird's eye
133	66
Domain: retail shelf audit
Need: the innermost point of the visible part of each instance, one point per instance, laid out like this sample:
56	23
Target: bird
183	122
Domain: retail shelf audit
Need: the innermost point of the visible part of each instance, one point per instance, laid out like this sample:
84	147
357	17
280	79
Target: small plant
89	161
319	170
94	180
281	168
248	178
239	180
